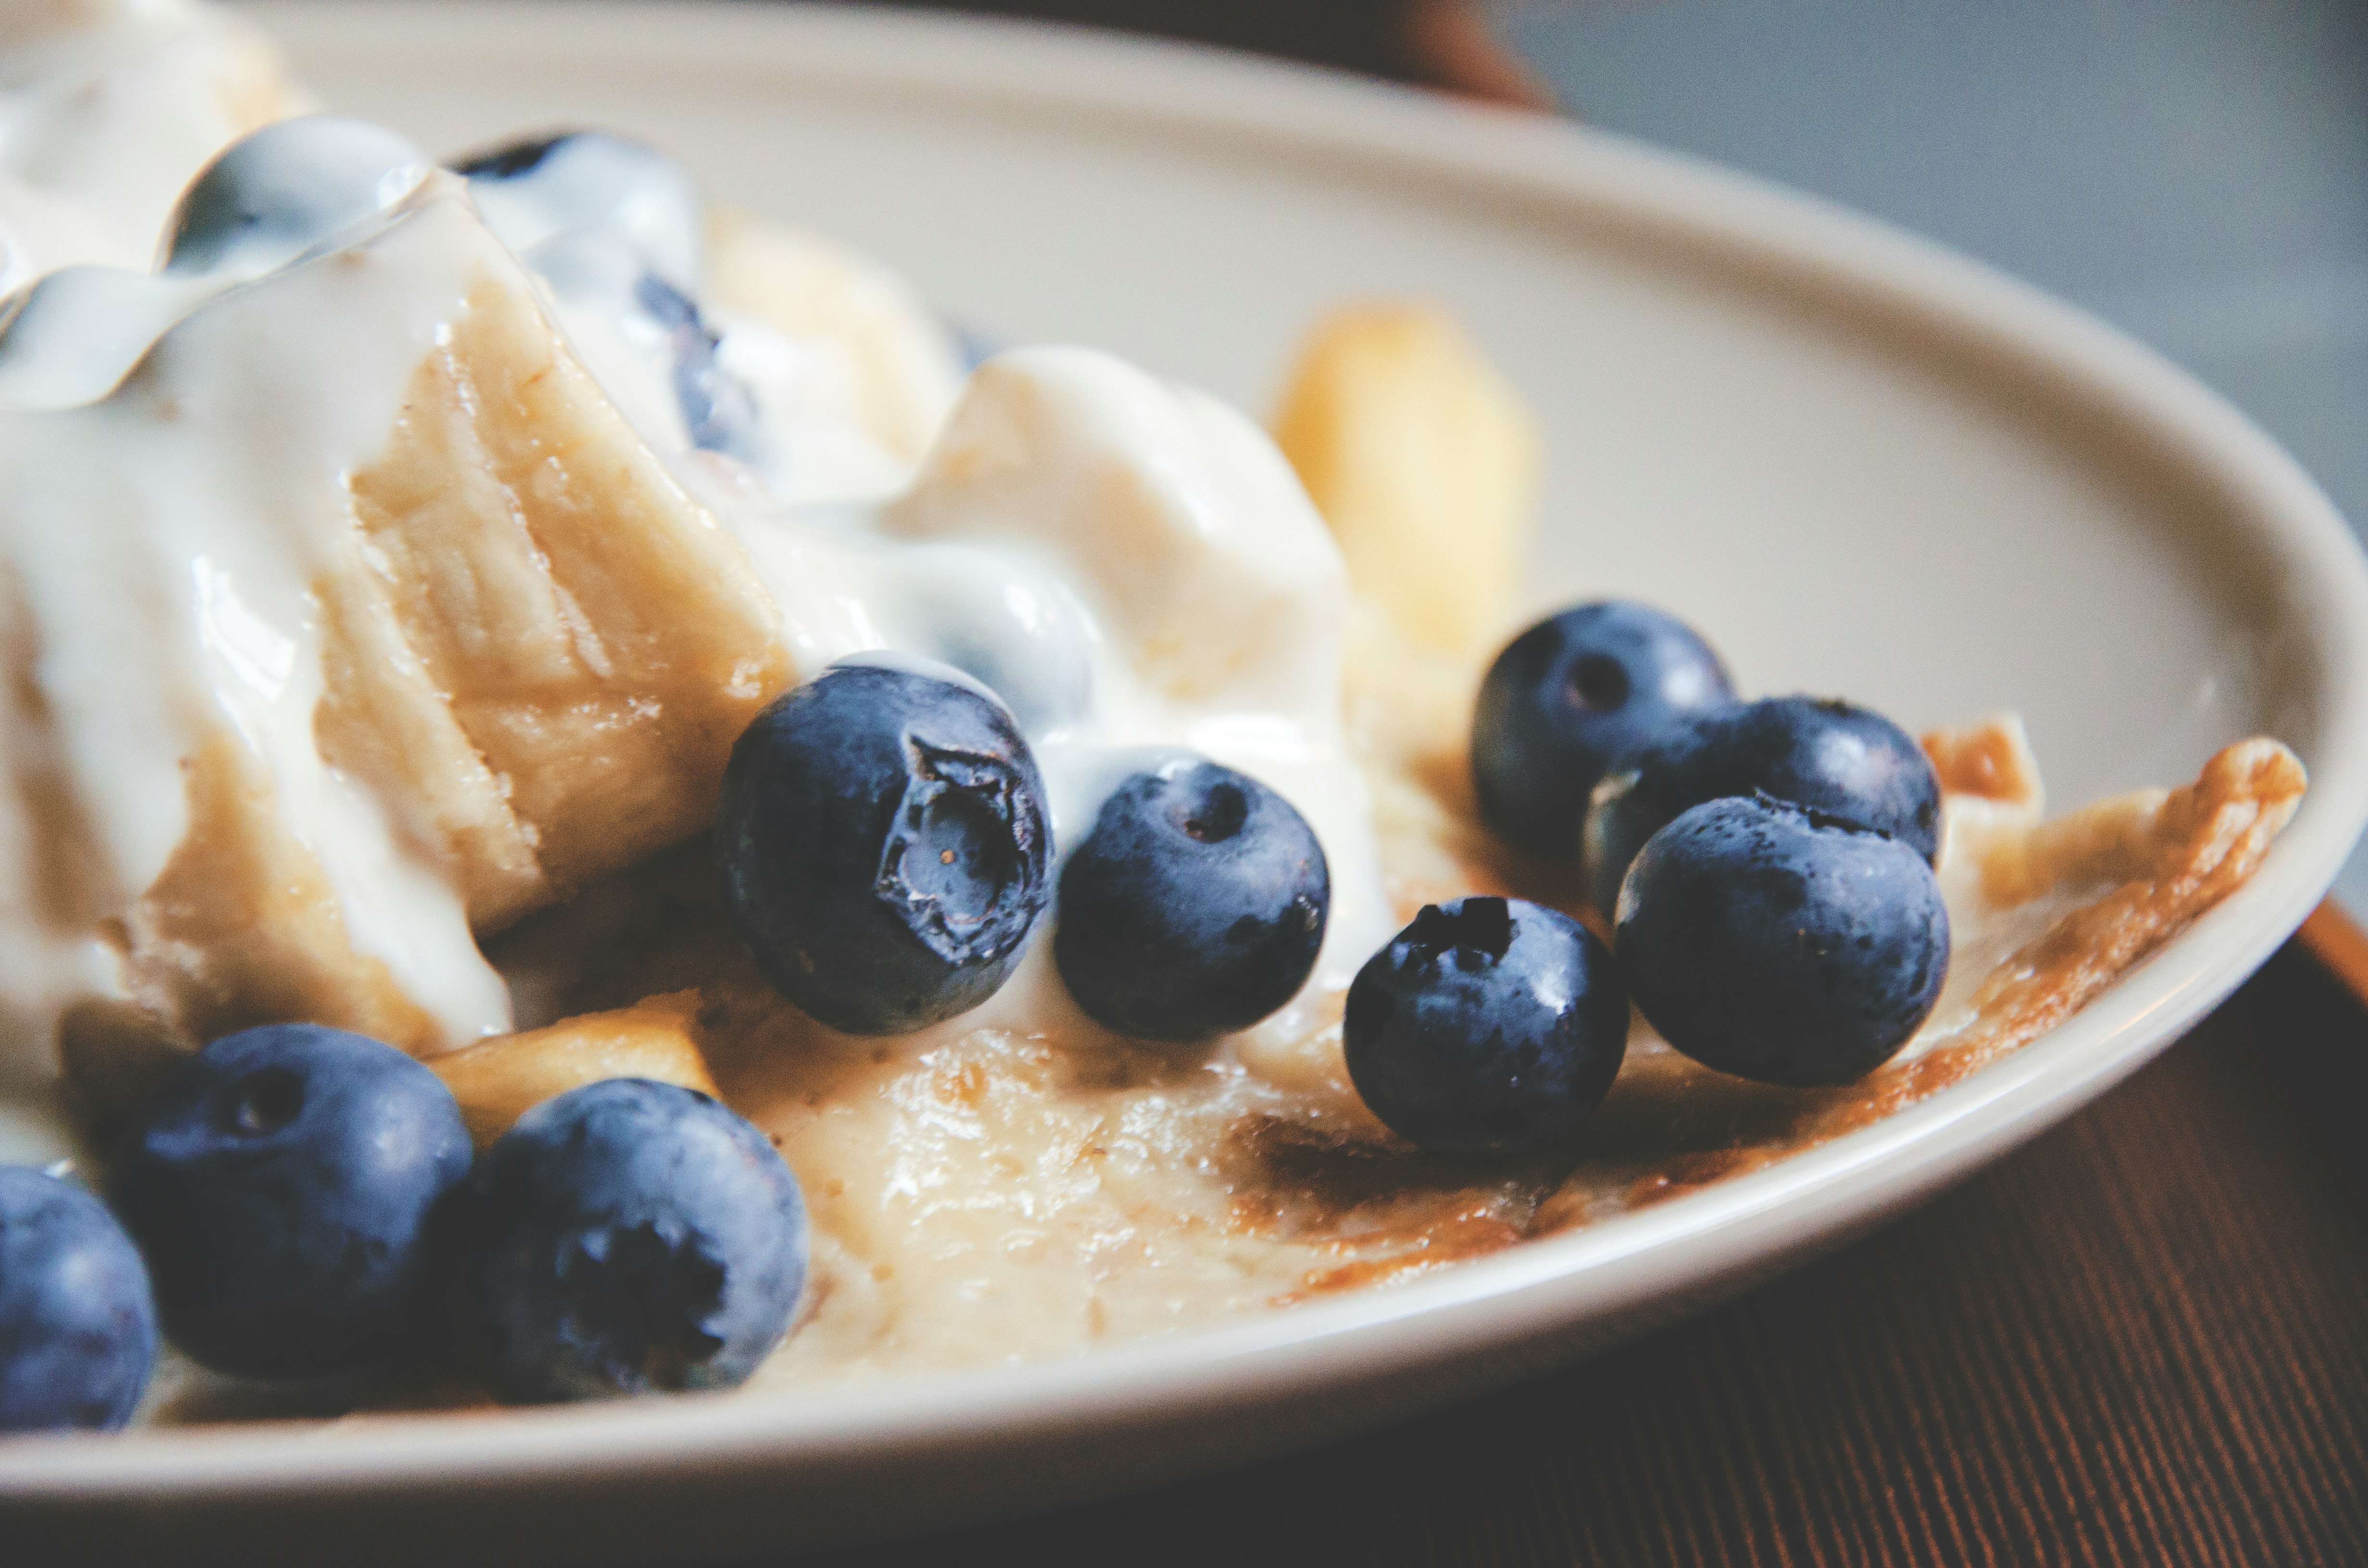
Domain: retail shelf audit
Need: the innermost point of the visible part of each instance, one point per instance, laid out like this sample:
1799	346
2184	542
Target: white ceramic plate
1861	464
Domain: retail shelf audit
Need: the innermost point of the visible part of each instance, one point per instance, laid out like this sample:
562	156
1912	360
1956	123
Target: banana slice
1424	461
499	1080
378	626
879	357
584	644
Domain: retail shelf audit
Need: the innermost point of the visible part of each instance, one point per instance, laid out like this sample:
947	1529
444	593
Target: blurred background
2196	171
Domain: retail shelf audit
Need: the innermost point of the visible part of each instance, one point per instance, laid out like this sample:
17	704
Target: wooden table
2142	1340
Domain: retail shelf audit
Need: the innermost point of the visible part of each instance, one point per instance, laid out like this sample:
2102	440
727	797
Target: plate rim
1489	1305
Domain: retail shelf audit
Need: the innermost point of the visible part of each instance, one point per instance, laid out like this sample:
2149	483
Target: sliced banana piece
378	627
1424	460
880	357
499	1080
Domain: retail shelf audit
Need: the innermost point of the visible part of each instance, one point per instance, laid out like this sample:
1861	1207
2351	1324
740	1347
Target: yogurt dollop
407	551
109	108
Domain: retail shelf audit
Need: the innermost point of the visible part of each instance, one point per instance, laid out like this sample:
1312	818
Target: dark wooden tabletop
2141	1340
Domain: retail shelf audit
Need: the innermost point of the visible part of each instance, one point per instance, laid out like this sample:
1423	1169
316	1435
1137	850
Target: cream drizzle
1138	558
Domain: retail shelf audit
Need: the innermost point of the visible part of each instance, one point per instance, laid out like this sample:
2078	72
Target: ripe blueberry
77	1324
717	409
612	223
1196	905
630	1237
1569	695
1490	1026
1781	945
882	845
1830	757
282	1186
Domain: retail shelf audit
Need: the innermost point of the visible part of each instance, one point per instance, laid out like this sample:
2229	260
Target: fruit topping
499	1080
77	1324
282	1186
614	224
717	409
1566	699
882	844
1829	757
630	1237
1488	1026
1780	944
1196	905
1424	460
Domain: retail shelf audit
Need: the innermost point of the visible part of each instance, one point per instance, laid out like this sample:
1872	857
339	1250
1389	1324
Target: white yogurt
162	545
110	107
40	234
1134	563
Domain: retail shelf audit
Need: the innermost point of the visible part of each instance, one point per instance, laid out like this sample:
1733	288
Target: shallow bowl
1864	464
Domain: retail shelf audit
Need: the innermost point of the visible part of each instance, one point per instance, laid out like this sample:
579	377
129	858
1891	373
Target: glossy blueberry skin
77	1323
271	195
1829	757
717	409
1780	945
630	1237
284	1187
883	843
1195	904
1488	1026
1567	696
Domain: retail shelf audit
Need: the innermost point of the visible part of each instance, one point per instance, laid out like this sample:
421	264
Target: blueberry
278	193
1781	945
282	1186
882	844
612	223
577	183
1196	905
1490	1026
1829	757
1569	695
630	1237
510	160
717	409
974	346
77	1324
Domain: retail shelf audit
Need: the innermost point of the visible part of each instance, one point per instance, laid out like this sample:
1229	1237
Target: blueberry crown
948	787
1476	930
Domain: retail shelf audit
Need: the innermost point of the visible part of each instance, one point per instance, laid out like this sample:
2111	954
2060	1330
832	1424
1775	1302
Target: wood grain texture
2336	941
2143	1340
